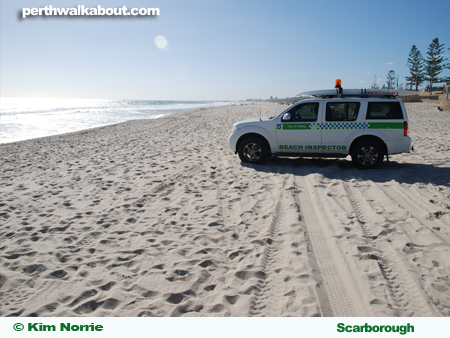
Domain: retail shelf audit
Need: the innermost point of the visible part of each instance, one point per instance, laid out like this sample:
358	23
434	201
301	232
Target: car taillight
405	129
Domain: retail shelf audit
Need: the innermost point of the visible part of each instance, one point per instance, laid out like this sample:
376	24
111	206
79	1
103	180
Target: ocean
24	119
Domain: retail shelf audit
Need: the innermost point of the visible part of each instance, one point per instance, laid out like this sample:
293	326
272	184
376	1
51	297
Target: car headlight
235	128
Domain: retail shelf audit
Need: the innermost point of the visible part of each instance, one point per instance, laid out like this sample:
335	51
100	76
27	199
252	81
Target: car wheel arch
244	136
368	137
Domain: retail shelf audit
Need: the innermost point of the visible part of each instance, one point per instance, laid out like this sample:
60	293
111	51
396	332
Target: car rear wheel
253	150
367	154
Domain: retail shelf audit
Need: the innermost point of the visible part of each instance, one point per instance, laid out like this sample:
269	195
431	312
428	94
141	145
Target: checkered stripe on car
342	125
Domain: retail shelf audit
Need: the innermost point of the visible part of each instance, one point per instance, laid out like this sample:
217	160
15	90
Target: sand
160	218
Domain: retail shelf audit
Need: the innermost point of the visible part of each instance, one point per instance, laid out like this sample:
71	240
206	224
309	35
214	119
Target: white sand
160	218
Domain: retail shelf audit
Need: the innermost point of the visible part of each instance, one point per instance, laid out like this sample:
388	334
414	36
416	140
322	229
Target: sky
216	49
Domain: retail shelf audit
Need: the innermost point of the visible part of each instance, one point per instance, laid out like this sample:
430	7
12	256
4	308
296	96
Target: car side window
304	112
342	111
384	111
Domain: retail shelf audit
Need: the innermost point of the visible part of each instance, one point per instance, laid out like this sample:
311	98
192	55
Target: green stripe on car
386	125
343	125
296	126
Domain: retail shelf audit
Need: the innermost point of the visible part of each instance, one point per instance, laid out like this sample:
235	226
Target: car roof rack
351	93
358	96
339	92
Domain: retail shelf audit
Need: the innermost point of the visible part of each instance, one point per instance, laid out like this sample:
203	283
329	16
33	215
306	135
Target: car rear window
384	111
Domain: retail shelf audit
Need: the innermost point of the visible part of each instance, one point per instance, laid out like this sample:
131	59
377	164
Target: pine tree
447	79
448	64
390	80
434	64
416	66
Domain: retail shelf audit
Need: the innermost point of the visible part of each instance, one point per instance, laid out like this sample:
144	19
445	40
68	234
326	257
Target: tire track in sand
425	254
404	295
416	210
335	290
269	290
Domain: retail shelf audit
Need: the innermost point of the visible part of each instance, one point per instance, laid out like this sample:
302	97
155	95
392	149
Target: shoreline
84	131
31	129
159	218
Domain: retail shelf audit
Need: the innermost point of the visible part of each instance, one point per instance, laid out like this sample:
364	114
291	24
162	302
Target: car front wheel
253	150
367	154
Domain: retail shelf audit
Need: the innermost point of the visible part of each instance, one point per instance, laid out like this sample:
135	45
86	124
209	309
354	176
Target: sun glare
161	42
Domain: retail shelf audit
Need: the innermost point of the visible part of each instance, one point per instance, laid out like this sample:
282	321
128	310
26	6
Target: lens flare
161	42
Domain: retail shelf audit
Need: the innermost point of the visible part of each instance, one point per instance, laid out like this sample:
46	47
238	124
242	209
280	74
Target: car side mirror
287	117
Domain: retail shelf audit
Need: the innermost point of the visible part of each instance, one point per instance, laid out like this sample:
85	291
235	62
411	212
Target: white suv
365	128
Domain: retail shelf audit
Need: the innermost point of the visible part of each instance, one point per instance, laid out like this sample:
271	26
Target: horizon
221	51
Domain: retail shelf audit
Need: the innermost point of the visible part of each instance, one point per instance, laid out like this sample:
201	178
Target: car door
341	124
298	130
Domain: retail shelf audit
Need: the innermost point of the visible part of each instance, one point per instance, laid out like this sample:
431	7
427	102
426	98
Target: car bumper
399	147
232	141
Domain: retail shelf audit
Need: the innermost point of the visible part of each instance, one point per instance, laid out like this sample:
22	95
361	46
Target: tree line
422	69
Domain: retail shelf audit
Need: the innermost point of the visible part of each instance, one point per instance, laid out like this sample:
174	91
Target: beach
160	218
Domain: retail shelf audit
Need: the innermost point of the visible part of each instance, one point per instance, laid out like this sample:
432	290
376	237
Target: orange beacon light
338	87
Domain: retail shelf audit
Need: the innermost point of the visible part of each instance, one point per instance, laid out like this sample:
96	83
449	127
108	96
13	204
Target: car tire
367	154
253	150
